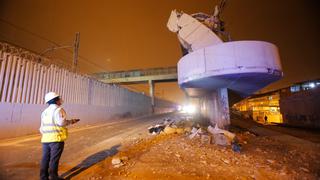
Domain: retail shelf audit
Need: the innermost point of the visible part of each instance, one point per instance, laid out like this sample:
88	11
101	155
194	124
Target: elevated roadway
212	69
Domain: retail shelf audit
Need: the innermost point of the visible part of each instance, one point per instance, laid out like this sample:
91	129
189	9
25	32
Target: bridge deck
166	74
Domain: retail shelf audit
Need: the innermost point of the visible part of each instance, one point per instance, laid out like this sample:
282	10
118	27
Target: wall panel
24	83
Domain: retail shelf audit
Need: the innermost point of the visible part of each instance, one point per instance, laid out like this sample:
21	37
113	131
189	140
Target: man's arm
61	118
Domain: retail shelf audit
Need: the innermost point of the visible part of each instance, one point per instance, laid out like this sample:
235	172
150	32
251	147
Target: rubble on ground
175	155
207	135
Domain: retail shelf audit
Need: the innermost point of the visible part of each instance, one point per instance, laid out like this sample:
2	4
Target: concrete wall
22	119
25	79
302	108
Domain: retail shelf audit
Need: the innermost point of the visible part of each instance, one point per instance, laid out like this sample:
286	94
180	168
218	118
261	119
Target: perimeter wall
25	79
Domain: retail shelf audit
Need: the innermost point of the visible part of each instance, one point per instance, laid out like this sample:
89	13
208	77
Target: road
89	145
85	147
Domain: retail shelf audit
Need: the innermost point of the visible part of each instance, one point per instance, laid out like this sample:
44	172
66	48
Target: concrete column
217	108
151	88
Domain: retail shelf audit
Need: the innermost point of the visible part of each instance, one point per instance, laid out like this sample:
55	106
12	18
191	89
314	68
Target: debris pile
176	156
207	135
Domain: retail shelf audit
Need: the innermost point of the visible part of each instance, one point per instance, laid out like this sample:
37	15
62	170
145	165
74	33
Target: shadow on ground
90	161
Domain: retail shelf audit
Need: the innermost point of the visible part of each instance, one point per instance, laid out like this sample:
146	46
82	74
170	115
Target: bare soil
175	156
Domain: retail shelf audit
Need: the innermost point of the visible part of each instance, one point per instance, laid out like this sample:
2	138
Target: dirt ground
176	156
89	151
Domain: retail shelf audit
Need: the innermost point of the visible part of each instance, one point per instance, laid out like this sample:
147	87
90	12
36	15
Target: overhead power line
81	58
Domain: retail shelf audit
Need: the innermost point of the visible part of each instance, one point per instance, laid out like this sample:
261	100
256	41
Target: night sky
132	34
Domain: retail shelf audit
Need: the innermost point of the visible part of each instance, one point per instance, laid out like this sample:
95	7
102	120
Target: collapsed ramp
242	66
211	67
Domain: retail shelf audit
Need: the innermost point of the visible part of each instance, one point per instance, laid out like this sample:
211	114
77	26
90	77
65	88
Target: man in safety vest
54	133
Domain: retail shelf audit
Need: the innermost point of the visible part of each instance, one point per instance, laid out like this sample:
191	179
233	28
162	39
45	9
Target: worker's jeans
51	153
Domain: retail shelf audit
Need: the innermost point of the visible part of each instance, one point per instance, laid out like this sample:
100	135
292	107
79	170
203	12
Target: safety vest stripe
50	125
52	128
52	131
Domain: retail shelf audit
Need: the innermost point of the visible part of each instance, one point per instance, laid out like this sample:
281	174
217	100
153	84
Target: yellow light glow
190	109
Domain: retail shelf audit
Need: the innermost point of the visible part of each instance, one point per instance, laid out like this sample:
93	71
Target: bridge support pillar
151	91
217	108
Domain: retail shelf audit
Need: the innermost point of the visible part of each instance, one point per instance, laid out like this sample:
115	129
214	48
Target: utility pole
76	51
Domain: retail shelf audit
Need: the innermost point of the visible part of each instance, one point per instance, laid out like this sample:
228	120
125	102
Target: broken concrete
205	139
175	156
221	139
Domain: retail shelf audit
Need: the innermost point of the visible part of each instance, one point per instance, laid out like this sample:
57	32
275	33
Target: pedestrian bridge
163	74
151	76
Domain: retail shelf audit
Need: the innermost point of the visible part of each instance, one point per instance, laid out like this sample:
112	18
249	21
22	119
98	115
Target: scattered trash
117	162
236	147
226	161
156	129
194	132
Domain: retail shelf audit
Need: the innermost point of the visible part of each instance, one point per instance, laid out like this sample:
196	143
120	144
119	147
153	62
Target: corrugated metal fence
26	79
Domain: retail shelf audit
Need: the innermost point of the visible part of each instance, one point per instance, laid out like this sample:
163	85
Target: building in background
297	105
258	107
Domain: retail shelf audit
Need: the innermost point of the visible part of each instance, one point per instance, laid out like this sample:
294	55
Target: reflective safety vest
51	131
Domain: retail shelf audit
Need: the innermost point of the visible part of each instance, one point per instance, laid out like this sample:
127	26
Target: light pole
75	50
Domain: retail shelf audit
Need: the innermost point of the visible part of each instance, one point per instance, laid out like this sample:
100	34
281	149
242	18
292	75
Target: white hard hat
50	95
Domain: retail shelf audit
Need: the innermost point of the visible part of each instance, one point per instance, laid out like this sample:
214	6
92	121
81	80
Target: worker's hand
74	121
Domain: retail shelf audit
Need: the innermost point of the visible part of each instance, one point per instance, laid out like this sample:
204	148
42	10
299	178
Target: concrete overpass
150	76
